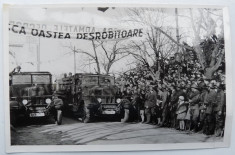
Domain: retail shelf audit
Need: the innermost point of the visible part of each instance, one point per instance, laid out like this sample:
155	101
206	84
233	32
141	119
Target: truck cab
31	95
90	95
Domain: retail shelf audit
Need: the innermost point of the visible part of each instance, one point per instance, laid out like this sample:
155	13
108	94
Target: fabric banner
59	31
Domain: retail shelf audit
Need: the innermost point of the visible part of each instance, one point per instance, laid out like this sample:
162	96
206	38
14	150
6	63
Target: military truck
31	96
92	95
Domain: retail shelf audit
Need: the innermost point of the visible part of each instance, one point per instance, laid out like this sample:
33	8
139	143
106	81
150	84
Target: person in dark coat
188	115
164	95
141	105
172	106
173	103
218	110
194	98
210	100
159	110
14	71
118	94
202	107
135	104
150	104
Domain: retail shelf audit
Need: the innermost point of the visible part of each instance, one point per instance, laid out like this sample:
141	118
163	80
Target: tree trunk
209	71
98	67
200	56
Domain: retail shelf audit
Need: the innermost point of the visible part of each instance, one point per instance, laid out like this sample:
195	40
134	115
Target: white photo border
126	147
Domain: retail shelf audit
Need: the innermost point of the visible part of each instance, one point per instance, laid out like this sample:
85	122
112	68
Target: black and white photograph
107	76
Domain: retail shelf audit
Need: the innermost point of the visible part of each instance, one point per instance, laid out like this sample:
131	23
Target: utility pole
74	57
177	28
38	55
177	37
89	65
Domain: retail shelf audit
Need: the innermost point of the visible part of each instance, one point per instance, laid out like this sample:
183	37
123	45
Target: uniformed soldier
194	98
202	107
141	105
218	110
210	100
150	104
164	95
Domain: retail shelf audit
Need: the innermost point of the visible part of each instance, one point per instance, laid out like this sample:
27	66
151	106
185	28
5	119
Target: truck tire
13	119
126	116
59	117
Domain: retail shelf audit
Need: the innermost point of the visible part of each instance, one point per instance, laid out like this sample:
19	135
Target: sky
55	54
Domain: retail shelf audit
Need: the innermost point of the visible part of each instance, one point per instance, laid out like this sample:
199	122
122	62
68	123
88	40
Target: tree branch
173	40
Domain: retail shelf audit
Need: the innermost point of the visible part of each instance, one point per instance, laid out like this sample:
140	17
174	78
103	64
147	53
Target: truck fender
14	105
126	104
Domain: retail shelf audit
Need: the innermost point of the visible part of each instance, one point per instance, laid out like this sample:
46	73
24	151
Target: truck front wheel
13	118
87	115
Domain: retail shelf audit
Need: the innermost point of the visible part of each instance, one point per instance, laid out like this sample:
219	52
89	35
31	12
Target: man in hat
70	74
56	105
204	92
177	91
18	68
164	95
218	109
194	97
141	104
210	100
15	70
150	103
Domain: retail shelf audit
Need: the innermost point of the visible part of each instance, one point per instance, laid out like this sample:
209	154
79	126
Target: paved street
73	132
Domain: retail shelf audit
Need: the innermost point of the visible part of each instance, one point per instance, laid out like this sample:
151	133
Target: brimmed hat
202	85
212	86
194	86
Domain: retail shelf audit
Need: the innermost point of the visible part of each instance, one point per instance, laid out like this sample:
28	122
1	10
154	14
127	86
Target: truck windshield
21	79
89	80
26	79
41	79
106	80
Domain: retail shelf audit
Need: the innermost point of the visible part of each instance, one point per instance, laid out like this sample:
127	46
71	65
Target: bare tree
113	53
91	54
204	23
104	54
155	45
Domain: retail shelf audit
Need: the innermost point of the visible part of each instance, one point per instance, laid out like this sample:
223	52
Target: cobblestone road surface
73	132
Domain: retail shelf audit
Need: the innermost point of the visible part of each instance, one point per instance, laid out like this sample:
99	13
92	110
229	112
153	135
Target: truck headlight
118	100
48	101
24	102
99	100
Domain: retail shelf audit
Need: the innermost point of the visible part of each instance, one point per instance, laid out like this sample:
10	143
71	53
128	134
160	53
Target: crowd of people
178	96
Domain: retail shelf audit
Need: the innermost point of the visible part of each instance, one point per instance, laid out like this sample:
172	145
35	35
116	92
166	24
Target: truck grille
39	101
108	100
113	106
37	108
